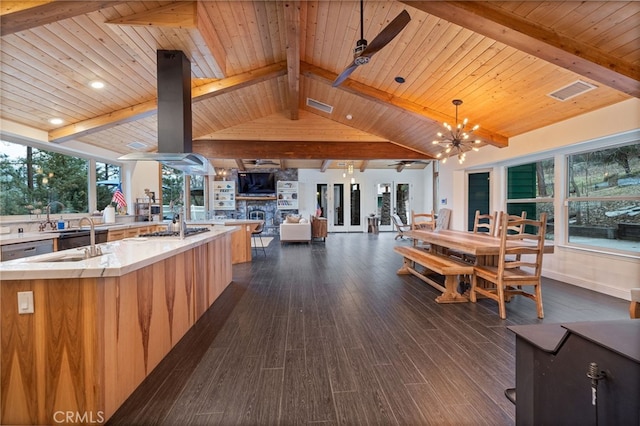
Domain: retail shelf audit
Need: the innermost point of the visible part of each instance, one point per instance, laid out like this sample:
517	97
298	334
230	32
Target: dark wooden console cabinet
552	361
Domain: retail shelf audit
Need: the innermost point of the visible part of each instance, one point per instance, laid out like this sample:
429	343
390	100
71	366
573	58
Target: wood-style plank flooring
328	333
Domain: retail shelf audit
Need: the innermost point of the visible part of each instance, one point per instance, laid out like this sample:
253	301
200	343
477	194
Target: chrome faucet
43	225
92	250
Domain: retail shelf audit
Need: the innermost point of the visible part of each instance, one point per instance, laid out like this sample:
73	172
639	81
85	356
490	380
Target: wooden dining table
477	244
484	247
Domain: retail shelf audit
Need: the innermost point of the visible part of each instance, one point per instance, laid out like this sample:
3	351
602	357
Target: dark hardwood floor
328	333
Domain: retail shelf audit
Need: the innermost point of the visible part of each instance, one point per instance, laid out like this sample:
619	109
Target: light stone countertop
24	237
118	258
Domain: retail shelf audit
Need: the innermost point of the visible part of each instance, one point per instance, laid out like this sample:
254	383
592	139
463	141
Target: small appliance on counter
109	214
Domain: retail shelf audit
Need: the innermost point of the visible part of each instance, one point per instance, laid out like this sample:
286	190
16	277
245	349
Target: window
172	191
32	179
530	188
604	197
107	181
197	190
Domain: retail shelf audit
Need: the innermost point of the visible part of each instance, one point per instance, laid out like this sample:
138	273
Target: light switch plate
25	302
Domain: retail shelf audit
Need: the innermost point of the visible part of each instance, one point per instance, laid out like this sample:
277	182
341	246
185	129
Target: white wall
419	179
608	273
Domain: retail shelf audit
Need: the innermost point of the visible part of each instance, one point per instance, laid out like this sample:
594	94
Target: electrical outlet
25	302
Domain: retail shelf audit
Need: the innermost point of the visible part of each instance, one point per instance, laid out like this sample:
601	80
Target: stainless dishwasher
31	248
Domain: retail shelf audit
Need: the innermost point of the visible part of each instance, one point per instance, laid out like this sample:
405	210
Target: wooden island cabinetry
133	231
95	334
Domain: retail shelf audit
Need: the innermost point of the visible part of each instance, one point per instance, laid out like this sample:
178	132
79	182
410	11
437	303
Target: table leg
405	269
451	295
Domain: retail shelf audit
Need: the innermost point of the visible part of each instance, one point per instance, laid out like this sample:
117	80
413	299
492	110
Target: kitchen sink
76	257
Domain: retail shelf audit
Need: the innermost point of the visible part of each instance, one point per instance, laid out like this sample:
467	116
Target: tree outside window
107	181
172	191
33	178
604	197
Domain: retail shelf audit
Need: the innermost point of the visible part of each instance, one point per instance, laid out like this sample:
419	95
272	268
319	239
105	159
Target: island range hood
174	117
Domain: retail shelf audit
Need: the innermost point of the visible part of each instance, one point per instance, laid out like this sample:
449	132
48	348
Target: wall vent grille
572	90
319	106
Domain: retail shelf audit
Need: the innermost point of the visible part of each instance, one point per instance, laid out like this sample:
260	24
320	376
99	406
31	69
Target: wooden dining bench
448	267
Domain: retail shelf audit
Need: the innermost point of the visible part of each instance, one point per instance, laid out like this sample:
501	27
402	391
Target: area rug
265	241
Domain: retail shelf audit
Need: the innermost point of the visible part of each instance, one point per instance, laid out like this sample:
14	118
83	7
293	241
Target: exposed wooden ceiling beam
308	150
240	164
325	165
144	109
292	35
183	14
375	95
175	15
488	20
24	15
364	165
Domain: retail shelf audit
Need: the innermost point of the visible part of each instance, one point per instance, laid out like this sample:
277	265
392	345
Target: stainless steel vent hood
174	117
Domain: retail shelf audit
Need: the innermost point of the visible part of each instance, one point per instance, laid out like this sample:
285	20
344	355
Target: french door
341	204
392	197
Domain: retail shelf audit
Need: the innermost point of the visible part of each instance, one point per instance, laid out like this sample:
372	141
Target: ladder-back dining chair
422	222
485	223
512	229
519	265
482	223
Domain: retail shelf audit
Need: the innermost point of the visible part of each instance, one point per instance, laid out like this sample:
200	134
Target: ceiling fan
363	52
407	163
258	162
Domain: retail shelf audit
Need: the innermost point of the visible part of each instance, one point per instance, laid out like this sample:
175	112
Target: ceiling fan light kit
456	138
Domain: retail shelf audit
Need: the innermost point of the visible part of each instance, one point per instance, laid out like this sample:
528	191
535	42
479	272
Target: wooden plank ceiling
256	64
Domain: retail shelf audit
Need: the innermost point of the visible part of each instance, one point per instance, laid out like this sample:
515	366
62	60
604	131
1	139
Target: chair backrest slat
485	223
423	221
514	228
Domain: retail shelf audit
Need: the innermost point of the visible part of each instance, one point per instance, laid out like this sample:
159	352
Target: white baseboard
589	285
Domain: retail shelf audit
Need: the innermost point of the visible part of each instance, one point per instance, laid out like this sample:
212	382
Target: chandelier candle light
457	139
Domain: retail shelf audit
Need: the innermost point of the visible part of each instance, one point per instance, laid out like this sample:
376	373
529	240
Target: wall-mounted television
256	183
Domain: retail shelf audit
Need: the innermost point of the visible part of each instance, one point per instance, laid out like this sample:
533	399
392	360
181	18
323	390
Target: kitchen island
99	326
240	240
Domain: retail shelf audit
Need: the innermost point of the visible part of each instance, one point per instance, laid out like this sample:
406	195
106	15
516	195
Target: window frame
91	159
536	200
567	199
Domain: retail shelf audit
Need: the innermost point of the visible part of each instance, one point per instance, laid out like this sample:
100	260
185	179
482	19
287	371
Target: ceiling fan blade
345	74
388	33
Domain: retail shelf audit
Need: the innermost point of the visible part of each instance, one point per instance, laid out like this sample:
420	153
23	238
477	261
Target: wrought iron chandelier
455	140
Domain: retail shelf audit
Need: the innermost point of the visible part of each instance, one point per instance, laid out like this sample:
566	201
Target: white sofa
295	232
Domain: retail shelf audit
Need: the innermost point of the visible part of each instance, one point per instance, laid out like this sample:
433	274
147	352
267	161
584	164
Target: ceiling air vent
572	90
138	146
319	106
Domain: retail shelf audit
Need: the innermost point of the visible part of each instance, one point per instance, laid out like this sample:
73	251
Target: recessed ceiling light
399	79
349	116
97	84
56	121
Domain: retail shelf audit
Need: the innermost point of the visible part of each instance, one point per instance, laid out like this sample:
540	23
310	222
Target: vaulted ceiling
260	69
